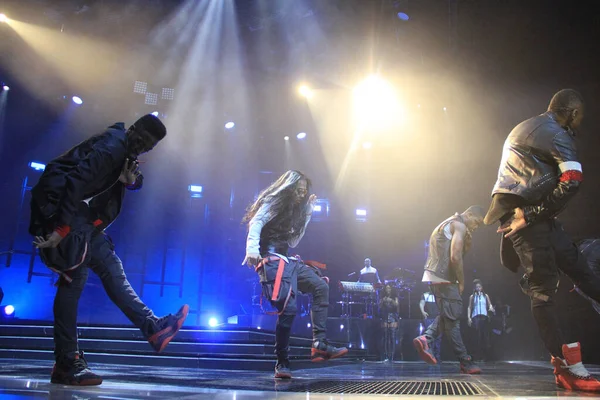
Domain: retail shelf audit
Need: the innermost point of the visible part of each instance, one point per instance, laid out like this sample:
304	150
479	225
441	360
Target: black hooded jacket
89	170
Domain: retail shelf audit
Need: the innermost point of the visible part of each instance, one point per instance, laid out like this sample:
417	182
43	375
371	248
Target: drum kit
361	299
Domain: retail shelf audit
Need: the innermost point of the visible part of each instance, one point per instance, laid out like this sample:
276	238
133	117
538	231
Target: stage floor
30	379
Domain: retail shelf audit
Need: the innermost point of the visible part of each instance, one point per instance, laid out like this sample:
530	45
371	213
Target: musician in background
480	307
389	309
369	273
429	311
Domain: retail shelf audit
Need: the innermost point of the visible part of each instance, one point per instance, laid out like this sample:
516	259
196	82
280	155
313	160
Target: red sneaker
570	373
422	347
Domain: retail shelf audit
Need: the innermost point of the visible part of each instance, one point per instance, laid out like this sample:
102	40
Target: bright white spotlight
444	108
305	91
286	138
376	105
258	327
77	100
301	135
361	212
5	87
37	166
155	113
3	18
308	325
367	145
9	310
341	327
195	189
317	208
213	322
229	125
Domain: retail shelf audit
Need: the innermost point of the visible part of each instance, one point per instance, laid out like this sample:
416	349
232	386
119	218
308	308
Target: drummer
369	273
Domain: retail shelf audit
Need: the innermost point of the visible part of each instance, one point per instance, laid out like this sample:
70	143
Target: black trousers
436	346
545	250
482	329
107	265
449	302
306	280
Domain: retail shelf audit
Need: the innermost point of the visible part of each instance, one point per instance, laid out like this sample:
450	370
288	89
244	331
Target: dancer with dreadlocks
277	221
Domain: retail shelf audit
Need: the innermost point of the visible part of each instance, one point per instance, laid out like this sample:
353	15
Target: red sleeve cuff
571	175
63	230
97	223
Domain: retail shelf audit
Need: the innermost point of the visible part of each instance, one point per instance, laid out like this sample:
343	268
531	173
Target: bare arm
458	230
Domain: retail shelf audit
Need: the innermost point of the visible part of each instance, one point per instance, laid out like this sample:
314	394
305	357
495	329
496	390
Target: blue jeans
107	265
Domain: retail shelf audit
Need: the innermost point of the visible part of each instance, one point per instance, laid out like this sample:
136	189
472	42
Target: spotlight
37	166
195	191
9	310
286	138
341	327
301	135
213	322
77	100
317	208
229	125
367	145
3	18
418	106
403	16
155	113
376	105
5	87
361	212
258	327
444	108
305	91
308	325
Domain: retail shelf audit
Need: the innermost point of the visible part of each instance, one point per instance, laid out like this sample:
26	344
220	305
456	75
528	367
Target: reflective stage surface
524	380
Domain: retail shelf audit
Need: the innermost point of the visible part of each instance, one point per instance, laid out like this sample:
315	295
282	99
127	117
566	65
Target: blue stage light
37	166
403	16
9	310
317	208
308	325
195	190
229	125
341	327
301	135
77	100
213	322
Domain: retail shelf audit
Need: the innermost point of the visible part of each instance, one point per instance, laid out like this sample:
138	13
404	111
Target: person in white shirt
480	307
369	273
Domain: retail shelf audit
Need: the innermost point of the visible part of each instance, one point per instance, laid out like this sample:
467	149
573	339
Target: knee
322	289
286	320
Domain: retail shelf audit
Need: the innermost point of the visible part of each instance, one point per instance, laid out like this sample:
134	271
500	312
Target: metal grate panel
413	388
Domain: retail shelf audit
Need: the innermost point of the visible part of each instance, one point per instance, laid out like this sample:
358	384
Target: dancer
429	311
77	197
389	308
477	311
538	175
448	243
277	220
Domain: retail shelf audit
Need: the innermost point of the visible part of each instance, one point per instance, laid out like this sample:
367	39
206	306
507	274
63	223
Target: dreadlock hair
287	216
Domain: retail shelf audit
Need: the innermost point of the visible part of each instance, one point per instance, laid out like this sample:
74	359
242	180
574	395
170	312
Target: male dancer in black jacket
77	197
539	173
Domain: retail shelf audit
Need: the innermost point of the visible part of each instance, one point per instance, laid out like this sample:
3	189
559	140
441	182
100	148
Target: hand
51	240
312	200
425	315
470	322
492	309
461	288
517	222
130	172
251	260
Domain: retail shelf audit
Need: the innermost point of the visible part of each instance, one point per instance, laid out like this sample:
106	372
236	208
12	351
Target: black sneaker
467	366
166	329
323	351
72	369
282	370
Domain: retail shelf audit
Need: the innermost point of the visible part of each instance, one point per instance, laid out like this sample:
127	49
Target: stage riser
174	348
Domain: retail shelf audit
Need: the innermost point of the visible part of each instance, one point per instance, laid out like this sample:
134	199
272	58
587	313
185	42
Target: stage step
243	349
